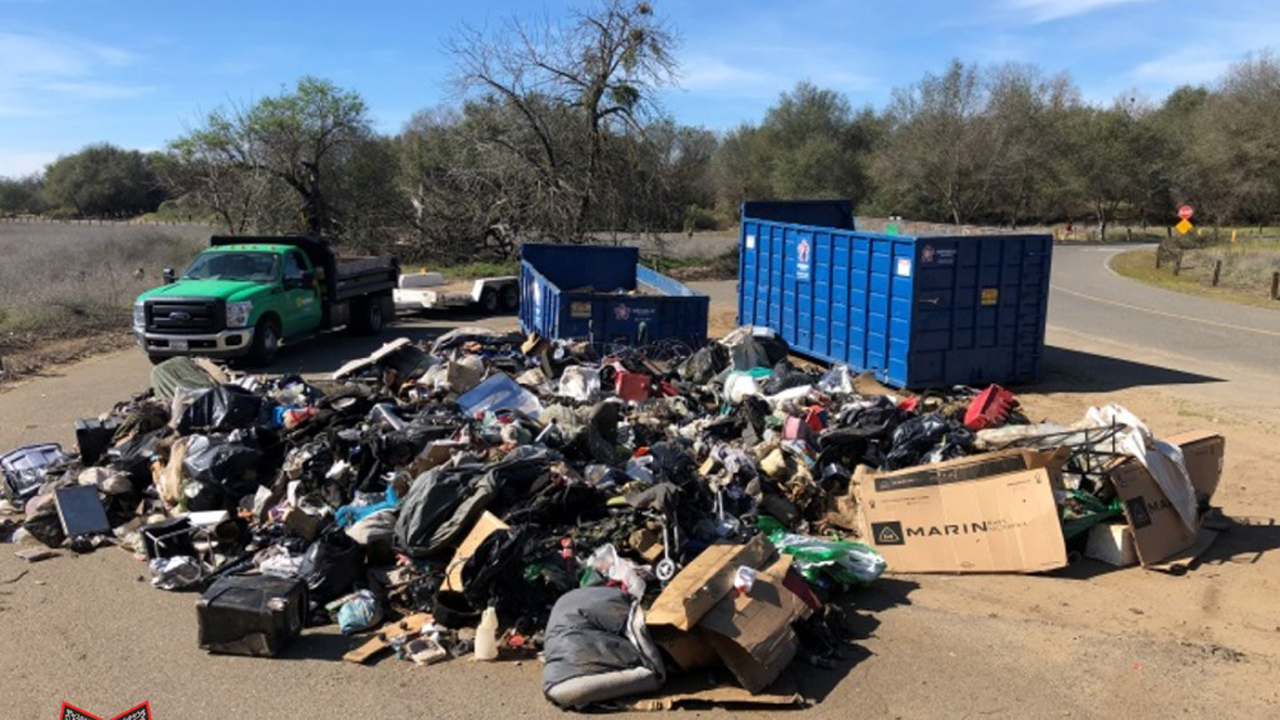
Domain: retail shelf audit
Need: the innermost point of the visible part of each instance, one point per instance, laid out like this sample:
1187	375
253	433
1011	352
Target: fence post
1157	258
1275	285
1177	266
1217	271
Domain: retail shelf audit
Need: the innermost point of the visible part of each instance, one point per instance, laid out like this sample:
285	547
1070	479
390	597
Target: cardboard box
1203	452
752	632
700	585
1158	530
700	619
993	512
484	527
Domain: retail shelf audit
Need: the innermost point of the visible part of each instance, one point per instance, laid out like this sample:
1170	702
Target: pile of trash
624	516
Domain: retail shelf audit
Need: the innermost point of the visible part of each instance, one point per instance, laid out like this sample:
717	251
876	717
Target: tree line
558	134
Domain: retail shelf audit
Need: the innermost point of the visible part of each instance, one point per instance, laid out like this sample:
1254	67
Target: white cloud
1046	10
765	71
40	73
1193	65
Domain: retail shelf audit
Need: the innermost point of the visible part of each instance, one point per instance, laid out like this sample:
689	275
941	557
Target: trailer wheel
266	342
511	297
368	317
489	301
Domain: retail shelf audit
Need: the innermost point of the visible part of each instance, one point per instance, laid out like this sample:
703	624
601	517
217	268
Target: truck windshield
249	266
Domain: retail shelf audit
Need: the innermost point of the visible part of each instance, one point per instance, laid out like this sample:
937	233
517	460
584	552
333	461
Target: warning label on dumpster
990	296
580	310
803	265
904	267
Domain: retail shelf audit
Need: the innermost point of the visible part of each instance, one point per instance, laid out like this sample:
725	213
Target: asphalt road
90	630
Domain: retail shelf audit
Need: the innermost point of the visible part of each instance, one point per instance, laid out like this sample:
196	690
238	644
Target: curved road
1105	329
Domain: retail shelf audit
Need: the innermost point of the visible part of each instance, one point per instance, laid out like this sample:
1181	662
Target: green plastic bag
847	563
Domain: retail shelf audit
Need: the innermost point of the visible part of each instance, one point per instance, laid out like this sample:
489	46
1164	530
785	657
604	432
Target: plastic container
582	292
487	635
917	311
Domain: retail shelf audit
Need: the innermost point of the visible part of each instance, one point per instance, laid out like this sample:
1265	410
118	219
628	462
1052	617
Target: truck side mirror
170	276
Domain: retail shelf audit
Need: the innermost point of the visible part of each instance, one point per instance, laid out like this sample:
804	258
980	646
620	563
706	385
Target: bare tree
600	69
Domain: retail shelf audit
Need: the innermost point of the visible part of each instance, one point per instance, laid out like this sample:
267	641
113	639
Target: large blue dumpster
918	311
605	295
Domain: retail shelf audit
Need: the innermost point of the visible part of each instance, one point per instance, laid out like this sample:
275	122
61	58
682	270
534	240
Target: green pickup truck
245	295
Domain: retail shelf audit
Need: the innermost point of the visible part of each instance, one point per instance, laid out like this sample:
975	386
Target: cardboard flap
703	582
1158	530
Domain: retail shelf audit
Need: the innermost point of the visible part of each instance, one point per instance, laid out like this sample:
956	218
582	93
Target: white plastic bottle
487	635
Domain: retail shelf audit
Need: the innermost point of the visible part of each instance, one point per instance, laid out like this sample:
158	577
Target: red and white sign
1186	211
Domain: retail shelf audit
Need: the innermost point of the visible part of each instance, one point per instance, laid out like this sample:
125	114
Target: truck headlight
238	313
139	316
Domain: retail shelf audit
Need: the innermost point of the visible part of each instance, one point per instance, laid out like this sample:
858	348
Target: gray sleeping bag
597	648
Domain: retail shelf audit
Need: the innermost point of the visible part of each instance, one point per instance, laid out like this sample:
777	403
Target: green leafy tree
103	181
303	140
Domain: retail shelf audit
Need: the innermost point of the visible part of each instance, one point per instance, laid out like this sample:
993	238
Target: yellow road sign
1184	227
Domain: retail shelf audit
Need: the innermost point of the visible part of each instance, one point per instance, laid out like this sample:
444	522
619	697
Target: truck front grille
185	316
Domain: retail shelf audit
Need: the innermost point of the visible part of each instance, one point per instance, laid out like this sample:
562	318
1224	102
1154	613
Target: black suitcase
251	614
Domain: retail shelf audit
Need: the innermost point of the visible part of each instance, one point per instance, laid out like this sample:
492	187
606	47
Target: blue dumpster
605	295
919	312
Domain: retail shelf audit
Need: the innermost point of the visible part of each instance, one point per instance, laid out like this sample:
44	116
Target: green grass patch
1195	278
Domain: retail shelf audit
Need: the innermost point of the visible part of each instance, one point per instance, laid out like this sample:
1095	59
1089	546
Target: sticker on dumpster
990	296
580	310
139	712
622	312
803	266
751	242
904	267
926	254
887	533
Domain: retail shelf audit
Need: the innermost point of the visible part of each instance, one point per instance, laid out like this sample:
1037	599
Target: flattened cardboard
993	512
691	691
700	585
1204	452
487	525
1158	531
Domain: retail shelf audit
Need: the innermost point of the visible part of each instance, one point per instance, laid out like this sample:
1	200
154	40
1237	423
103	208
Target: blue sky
139	72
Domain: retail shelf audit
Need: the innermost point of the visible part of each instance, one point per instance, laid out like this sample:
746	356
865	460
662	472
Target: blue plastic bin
586	292
920	312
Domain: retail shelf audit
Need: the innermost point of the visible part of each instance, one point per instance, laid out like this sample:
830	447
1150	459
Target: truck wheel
511	297
266	342
368	317
489	301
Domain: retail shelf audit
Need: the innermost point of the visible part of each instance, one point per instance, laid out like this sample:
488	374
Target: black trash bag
133	458
202	497
233	466
494	571
226	407
913	440
441	505
786	376
331	566
705	364
397	448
